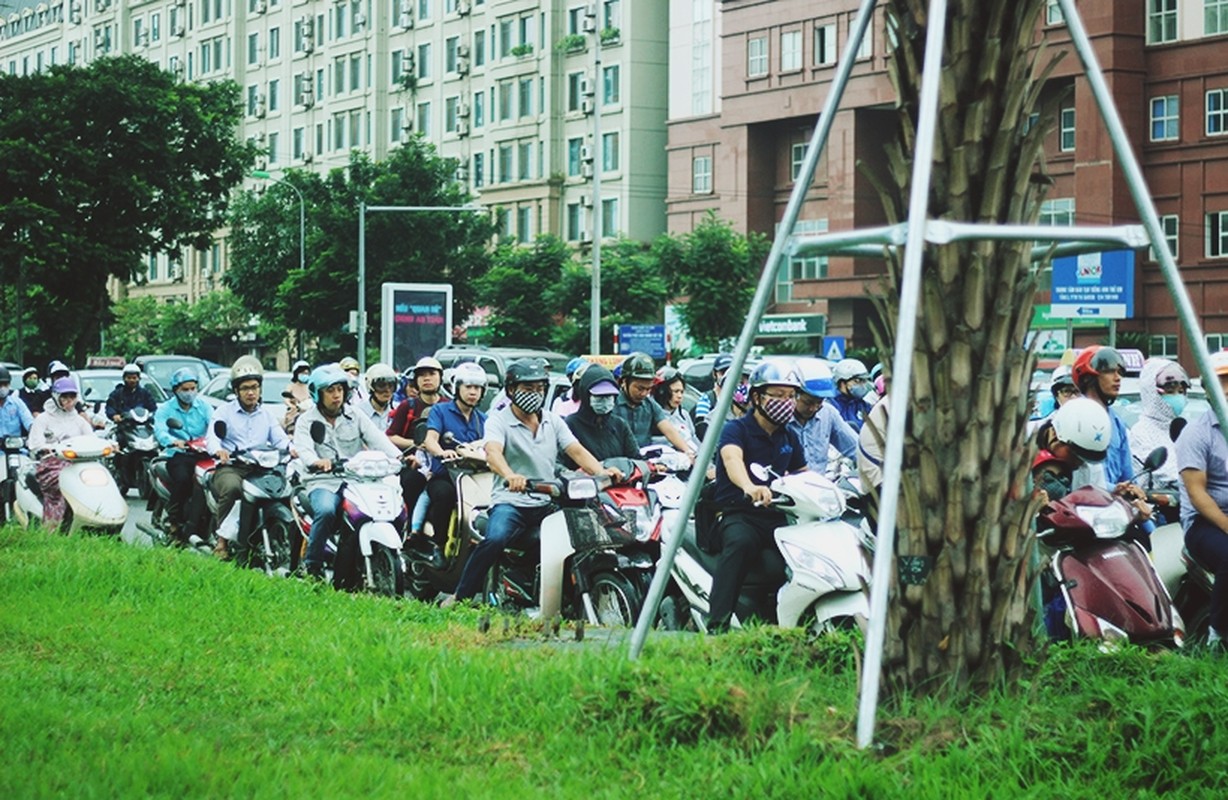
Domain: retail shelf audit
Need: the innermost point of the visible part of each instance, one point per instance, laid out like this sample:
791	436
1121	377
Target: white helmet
1083	424
848	369
379	372
131	369
467	374
246	368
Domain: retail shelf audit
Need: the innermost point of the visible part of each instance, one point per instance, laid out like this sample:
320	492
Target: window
1164	123
611	16
824	45
479	109
575	81
1215	17
424	9
1066	130
424	60
274	144
1060	211
524	218
790	51
1171	224
525	89
396	124
756	57
1161	21
505	163
801	268
867	46
1163	346
702	41
1217	342
526	161
611	91
609	151
298	142
155	33
274	95
1053	13
479	48
423	123
274	44
797	157
1217	234
701	175
355	72
505	37
573	156
253	49
450	116
479	169
1217	112
609	217
505	100
573	222
449	54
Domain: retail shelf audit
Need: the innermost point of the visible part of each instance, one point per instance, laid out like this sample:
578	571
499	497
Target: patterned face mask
527	401
602	405
778	409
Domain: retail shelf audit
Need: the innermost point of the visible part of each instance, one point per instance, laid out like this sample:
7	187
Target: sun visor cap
603	389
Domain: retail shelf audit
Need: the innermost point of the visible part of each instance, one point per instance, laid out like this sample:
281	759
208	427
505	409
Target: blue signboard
648	339
1093	286
833	348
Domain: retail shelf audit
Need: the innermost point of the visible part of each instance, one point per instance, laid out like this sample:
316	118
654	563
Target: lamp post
302	230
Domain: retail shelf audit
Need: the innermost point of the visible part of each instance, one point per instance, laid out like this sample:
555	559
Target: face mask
301	377
778	409
528	402
1176	402
859	390
186	397
31	383
602	405
4	392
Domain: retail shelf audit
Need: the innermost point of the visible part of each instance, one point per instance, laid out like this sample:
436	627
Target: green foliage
571	42
100	165
143	325
413	247
716	268
610	35
521	50
515	287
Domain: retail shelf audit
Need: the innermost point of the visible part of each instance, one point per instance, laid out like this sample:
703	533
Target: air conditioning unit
181	3
586	86
308	45
462	50
74	16
462	110
177	69
142	38
103	5
360	20
306	98
262	164
178	30
406	20
261	6
261	109
586	105
590	24
462	172
407	120
586	170
586	153
462	66
585	236
586	200
307	157
176	271
462	7
462	128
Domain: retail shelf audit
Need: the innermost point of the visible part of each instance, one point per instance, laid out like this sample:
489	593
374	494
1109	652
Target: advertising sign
648	339
416	320
1097	286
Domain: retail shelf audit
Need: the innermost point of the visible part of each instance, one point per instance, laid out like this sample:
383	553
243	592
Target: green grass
127	672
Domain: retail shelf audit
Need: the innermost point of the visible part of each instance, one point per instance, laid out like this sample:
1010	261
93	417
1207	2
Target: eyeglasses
249	388
1067	391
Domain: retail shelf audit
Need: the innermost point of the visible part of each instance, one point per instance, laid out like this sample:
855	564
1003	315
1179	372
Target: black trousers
442	494
747	542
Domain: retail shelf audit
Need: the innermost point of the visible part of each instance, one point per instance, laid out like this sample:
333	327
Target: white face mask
602	405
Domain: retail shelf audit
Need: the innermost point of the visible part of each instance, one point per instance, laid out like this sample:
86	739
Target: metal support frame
913	236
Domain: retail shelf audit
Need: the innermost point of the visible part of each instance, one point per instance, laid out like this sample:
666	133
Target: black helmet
638	366
5	377
524	370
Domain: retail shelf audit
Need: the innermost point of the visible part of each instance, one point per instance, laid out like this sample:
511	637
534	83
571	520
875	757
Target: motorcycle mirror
89	390
1155	459
317	432
1176	427
219	429
760	472
174	423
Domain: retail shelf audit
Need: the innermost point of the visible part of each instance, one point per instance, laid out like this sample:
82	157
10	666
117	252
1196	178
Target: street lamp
302	229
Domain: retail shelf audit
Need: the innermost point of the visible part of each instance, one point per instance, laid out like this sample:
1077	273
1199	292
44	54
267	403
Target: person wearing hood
60	420
603	433
32	391
1163	387
296	396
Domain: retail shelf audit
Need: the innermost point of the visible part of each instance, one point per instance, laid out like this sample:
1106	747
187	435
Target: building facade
509	88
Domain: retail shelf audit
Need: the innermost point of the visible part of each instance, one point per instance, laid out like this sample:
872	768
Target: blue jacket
195	421
1117	464
15	418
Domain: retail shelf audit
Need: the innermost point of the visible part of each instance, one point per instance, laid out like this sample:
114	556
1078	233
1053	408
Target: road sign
648	339
1093	286
833	348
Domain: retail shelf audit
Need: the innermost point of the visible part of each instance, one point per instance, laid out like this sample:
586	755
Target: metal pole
594	314
362	286
901	368
767	280
1146	209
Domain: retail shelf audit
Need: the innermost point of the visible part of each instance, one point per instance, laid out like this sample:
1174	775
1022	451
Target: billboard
416	320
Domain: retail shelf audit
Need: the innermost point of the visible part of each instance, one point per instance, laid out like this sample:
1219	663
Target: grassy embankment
127	672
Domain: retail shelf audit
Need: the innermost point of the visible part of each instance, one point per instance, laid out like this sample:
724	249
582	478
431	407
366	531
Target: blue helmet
182	376
775	373
324	377
722	363
574	365
816	377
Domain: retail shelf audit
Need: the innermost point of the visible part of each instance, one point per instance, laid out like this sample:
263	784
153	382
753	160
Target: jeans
747	540
325	507
506	524
1209	545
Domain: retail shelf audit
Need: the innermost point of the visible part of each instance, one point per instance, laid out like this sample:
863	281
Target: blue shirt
853	410
195	421
781	451
245	430
825	430
1117	464
644	419
1201	447
446	418
15	418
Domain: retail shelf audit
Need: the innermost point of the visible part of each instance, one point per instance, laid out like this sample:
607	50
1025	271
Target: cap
603	389
1219	362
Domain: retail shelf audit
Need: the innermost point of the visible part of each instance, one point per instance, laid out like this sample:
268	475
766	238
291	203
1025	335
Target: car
495	359
162	367
217	391
96	386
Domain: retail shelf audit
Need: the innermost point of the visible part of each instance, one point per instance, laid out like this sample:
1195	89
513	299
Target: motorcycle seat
1197	570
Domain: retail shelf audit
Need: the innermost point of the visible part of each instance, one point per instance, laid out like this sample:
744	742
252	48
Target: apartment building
771	65
512	89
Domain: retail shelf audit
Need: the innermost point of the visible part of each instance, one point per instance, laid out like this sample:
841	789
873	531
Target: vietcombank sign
777	325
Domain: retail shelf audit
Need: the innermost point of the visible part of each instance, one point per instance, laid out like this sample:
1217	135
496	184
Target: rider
1097	372
59	421
350	366
408	424
193	415
707	400
818	424
15	418
603	433
296	396
344	435
569	403
852	385
381	382
1162	389
249	425
668	389
636	406
1072	438
447	425
523	442
129	395
32	392
747	527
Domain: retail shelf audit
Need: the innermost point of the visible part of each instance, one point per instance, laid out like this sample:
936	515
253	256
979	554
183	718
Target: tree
965	514
430	247
209	326
716	269
516	287
100	166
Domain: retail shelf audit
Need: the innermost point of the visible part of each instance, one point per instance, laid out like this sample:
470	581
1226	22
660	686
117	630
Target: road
137	514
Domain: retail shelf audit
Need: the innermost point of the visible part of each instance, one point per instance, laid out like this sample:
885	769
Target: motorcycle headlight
800	559
1107	522
266	458
14	443
95	477
581	489
1111	636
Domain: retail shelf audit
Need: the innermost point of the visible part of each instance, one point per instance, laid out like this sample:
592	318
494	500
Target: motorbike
827	558
94	501
431	571
266	525
134	436
10	462
372	520
158	529
1110	588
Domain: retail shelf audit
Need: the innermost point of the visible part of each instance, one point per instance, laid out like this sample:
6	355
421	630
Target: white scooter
89	488
827	566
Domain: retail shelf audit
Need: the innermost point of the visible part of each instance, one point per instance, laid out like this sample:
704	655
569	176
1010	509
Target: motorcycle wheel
418	582
278	561
616	600
385	570
1194	606
143	487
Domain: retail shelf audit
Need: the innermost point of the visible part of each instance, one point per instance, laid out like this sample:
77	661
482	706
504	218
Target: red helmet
1093	362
